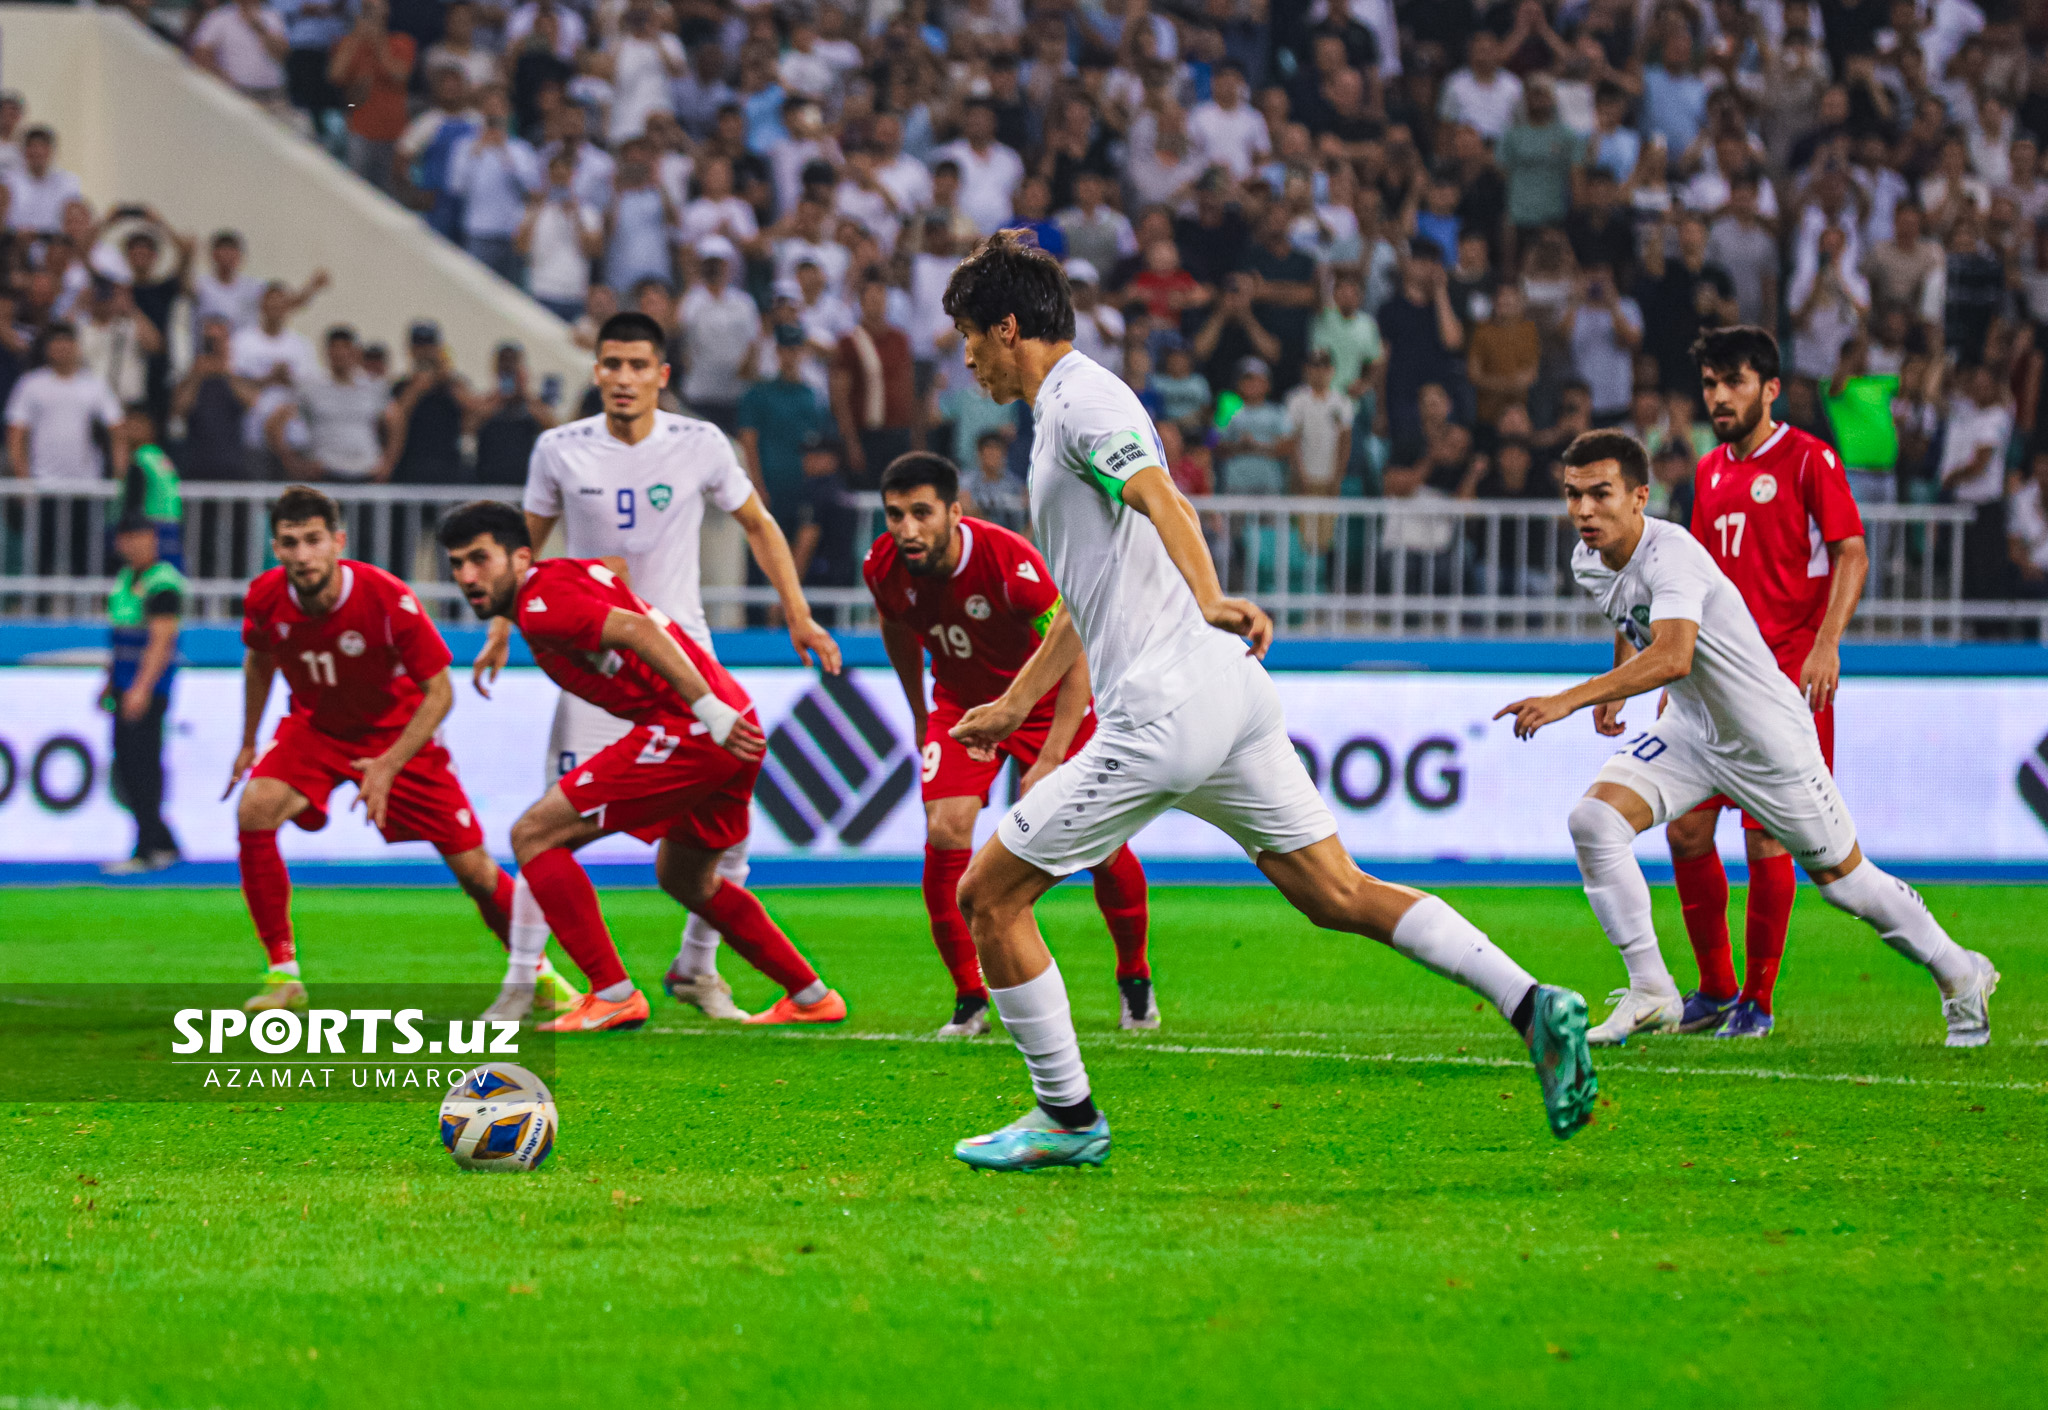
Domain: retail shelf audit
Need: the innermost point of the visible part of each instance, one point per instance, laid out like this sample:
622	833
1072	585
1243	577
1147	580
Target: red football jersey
561	610
981	625
1767	521
355	671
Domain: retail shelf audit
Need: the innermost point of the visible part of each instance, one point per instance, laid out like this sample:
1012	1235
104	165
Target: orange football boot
830	1009
595	1015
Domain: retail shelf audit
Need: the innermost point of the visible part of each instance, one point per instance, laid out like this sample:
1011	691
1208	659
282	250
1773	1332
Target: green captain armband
1117	459
1042	623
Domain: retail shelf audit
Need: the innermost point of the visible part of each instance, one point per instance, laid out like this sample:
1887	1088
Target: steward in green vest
143	612
152	488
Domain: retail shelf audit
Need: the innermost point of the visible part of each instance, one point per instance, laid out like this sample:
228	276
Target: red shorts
666	778
951	772
1824	725
427	802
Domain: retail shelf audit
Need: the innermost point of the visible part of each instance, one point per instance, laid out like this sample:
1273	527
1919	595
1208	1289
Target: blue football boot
1747	1021
1704	1014
1035	1141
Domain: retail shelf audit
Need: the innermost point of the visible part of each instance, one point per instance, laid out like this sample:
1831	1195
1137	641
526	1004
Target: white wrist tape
718	717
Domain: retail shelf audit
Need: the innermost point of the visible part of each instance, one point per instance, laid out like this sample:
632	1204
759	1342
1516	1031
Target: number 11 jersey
643	503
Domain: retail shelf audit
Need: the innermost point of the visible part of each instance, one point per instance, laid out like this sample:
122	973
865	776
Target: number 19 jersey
981	623
643	503
1766	521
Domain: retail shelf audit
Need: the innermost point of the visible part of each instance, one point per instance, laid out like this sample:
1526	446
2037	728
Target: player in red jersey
683	776
979	599
1773	508
369	681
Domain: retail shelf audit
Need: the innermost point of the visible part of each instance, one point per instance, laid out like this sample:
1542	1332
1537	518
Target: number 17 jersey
1766	520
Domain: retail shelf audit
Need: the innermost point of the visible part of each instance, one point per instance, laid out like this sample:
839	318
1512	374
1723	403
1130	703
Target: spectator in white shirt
1096	231
719	326
1829	299
244	44
863	198
805	141
905	178
802	68
494	172
13	107
570	30
341	409
1482	95
989	172
717	211
224	291
458	48
561	235
1228	131
594	168
1973	473
641	63
640	224
39	190
1098	327
52	411
2026	531
117	342
804	238
260	351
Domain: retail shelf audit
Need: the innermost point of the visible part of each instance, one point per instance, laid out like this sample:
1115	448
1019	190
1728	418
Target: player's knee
1599	828
529	838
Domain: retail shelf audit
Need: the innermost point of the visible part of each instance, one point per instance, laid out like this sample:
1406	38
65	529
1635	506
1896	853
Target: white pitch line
1761	1074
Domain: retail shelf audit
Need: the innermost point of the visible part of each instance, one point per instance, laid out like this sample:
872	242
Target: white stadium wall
137	122
1937	770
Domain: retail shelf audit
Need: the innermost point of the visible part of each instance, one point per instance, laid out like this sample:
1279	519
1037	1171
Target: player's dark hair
1624	450
466	523
302	503
633	327
1005	276
1726	351
920	468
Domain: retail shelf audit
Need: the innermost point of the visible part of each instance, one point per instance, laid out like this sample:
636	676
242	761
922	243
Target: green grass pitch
1332	1186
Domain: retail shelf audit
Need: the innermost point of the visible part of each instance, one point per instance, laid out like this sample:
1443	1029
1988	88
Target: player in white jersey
1188	719
631	483
1734	725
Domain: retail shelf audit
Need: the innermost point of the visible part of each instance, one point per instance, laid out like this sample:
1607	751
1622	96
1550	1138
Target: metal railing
1323	567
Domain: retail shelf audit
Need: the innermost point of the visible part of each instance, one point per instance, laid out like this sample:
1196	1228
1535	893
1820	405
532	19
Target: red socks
569	901
1120	892
1772	885
1703	897
737	914
943	868
267	887
497	912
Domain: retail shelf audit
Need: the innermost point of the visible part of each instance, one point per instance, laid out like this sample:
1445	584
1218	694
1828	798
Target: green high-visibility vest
161	499
126	614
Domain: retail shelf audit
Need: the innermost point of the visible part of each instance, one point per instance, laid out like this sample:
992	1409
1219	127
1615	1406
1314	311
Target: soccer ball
498	1117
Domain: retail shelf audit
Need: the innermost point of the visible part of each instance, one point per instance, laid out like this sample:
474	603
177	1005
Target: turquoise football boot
1557	1045
1035	1141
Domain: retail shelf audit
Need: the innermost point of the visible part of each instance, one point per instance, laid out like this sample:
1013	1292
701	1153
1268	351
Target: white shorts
1790	791
1223	756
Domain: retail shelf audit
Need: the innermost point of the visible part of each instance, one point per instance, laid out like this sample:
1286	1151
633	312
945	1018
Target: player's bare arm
771	550
1067	713
497	648
1607	714
1821	675
1664	660
639	634
373	791
906	654
257	669
986	726
1153	494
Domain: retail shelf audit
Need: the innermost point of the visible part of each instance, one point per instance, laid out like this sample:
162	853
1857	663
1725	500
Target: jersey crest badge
351	643
659	496
977	607
1764	488
1028	573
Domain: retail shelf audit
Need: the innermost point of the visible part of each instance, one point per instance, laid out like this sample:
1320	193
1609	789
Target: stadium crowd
1381	248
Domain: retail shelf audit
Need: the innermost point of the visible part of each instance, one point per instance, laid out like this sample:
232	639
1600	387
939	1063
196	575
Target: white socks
616	993
810	993
1616	890
699	955
529	939
1038	1020
1437	937
1898	914
290	967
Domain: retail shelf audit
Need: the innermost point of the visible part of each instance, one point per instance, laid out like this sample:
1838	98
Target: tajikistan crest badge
659	496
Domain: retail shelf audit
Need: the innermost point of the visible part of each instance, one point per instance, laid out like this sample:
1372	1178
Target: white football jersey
1146	641
643	503
1735	695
